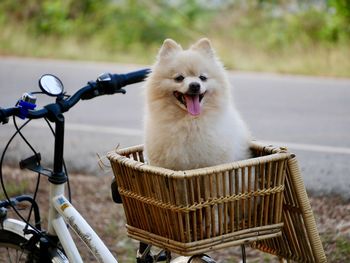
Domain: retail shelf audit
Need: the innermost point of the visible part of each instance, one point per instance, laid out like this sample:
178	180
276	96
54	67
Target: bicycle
28	242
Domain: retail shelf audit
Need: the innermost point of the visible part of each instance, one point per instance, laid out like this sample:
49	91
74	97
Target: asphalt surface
308	115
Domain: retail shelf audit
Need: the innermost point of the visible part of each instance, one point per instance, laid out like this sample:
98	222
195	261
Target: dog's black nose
194	87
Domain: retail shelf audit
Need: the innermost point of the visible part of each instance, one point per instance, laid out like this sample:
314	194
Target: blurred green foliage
275	23
118	23
123	23
133	26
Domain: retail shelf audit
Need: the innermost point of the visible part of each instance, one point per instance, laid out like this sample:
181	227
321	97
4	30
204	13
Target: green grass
318	60
342	251
337	247
25	45
14	188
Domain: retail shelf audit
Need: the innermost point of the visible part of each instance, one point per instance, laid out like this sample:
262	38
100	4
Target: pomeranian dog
190	119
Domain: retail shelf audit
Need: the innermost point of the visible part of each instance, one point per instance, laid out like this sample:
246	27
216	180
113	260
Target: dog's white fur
174	138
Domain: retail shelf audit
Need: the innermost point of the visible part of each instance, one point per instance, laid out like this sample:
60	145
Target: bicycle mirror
51	85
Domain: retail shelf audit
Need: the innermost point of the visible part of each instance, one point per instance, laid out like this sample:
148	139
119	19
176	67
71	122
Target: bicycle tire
12	249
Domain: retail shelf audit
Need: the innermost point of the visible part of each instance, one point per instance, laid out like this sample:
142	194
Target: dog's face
192	79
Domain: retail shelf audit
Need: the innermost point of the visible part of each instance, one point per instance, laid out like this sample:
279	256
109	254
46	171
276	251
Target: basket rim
277	154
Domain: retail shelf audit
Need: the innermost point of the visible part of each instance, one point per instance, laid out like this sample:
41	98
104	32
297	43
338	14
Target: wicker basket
194	211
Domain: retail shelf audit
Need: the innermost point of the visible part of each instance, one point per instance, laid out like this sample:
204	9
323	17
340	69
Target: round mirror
51	85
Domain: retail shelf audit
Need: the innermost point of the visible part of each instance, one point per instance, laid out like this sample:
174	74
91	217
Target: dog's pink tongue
193	105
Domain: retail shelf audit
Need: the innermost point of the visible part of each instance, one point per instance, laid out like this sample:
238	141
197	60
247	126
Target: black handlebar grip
108	83
132	77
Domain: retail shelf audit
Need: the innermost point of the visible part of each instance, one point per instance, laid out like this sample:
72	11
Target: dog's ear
169	46
203	45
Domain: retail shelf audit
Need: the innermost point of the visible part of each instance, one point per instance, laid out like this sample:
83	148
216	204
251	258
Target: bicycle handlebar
106	84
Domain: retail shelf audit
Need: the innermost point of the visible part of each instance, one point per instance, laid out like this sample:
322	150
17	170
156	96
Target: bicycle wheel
12	250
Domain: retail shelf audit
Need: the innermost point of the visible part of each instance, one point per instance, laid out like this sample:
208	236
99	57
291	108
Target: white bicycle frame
62	213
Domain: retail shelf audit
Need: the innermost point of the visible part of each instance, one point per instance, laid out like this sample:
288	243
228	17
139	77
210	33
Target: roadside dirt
91	195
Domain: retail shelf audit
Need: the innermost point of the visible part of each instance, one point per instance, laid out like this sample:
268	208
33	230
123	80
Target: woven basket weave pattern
197	210
261	201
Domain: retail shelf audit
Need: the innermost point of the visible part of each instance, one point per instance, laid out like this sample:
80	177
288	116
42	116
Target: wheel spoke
8	253
13	249
11	253
19	260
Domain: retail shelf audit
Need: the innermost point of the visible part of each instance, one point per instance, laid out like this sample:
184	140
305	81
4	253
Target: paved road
309	115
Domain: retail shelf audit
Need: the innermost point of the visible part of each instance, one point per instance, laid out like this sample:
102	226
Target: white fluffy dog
190	120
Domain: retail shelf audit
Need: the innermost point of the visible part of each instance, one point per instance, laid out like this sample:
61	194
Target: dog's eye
179	78
203	78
